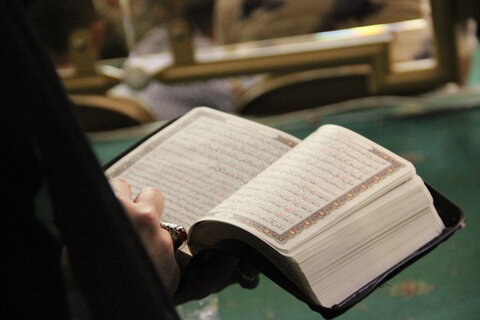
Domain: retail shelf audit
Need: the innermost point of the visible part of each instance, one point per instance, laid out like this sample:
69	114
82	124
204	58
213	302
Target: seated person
169	101
56	19
246	20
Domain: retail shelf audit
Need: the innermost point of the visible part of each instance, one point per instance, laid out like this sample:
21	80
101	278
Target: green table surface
443	144
474	73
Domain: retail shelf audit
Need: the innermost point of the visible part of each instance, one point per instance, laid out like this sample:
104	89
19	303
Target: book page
328	175
200	160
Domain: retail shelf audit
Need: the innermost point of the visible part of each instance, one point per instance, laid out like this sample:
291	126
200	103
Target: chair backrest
304	90
101	113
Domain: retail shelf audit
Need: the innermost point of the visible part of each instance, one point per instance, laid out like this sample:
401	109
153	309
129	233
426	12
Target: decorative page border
155	141
284	237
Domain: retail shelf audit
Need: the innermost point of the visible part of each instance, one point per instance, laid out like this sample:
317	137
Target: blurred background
255	57
404	73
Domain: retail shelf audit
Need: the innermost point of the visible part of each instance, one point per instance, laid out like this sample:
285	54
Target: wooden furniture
100	113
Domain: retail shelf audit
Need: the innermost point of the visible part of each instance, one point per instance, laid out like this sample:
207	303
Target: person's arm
145	212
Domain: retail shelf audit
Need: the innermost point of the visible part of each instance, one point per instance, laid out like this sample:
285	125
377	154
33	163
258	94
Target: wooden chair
101	113
304	90
302	65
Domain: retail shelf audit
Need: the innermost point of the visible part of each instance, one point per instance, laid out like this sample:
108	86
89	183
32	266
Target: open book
332	212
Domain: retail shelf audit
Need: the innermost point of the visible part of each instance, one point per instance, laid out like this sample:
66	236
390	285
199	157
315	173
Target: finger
121	188
150	199
146	212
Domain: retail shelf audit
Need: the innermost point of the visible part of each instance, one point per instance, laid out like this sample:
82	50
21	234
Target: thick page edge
453	218
451	215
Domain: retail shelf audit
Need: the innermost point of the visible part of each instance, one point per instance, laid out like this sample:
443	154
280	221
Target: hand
208	272
205	273
214	269
144	212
